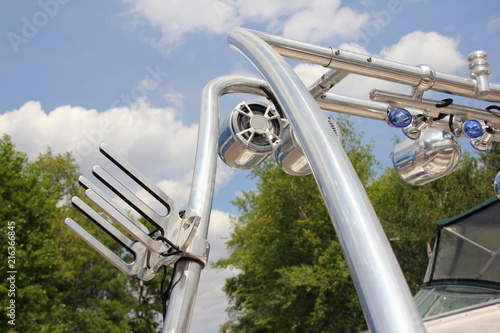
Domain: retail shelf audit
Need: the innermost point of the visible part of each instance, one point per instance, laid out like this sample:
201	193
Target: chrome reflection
432	156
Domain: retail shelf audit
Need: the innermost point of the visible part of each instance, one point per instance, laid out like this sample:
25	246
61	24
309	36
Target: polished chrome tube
383	292
377	68
326	82
200	199
353	106
187	273
298	50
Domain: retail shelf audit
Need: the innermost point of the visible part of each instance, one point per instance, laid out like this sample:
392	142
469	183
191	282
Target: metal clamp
426	82
198	251
151	249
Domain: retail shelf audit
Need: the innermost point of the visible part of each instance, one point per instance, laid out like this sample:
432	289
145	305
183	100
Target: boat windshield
468	248
433	301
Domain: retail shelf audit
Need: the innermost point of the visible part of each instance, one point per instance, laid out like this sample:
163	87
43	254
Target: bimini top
467	250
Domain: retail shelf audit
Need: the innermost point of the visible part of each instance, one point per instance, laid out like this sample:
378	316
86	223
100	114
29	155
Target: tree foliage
62	285
292	274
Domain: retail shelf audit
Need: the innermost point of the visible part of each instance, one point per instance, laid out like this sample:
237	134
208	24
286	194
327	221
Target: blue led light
399	117
473	128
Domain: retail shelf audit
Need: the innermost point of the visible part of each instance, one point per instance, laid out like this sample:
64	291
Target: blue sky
130	73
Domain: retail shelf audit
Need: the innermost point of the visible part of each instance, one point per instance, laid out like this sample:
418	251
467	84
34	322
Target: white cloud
307	20
354	47
151	139
174	18
267	11
178	190
430	48
175	98
241	68
324	20
220	225
493	25
309	73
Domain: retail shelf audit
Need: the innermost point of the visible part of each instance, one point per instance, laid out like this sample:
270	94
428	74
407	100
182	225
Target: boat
461	289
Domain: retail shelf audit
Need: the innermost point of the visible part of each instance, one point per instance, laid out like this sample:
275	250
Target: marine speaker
252	131
291	157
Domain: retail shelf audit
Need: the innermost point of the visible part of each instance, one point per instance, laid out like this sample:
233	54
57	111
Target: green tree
61	284
293	276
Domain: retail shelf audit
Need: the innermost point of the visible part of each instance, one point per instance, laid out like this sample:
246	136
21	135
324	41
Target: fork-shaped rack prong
131	199
136	248
151	249
145	183
117	216
88	185
178	230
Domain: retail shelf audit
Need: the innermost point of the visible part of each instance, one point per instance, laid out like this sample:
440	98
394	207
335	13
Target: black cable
494	107
440	116
173	250
173	253
165	295
273	99
166	240
445	102
172	246
153	232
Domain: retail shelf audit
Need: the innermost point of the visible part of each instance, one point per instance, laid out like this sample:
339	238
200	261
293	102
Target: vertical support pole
188	271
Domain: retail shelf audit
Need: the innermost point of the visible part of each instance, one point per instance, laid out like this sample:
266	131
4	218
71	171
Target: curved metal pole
382	289
187	273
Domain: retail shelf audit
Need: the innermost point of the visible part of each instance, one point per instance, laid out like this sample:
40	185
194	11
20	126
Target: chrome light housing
433	155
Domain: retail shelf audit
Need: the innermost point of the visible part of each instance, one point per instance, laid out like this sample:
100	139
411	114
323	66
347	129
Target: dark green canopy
467	250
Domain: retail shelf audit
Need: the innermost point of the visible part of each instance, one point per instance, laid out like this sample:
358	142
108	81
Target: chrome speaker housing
290	155
252	131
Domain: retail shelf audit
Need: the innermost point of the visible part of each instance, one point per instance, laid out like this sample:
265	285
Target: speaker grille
257	125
